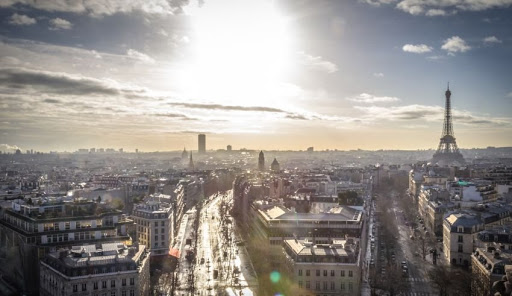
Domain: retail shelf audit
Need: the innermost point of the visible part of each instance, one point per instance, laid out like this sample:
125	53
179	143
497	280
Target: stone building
101	269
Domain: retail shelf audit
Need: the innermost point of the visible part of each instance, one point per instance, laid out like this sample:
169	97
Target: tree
451	280
440	276
119	205
349	198
98	199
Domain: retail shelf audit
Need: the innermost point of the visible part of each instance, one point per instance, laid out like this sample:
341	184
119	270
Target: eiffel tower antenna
447	152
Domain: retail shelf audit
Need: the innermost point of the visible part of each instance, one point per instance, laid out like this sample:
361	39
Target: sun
241	53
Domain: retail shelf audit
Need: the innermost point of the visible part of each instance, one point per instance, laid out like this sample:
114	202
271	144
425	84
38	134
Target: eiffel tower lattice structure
448	153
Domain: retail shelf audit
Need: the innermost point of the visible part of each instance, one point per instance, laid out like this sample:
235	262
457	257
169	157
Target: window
308	285
113	293
112	283
67	225
75	288
332	272
350	273
123	293
156	237
342	286
95	286
350	286
84	287
123	282
132	292
156	224
132	281
325	286
307	272
156	230
461	239
460	249
300	272
300	284
162	237
162	223
104	284
317	285
333	286
318	272
342	273
325	272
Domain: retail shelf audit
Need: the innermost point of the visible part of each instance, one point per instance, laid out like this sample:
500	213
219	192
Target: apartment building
111	269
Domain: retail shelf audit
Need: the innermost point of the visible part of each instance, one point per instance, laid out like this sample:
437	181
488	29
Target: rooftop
338	213
99	258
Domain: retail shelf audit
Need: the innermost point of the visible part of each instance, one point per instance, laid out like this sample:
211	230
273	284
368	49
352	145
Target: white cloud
21	20
420	48
378	74
317	63
436	57
441	7
98	8
455	44
377	3
140	56
60	24
429	114
435	12
8	148
368	98
492	39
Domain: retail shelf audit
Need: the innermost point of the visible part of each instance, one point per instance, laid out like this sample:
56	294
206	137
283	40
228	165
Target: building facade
324	269
154	223
45	225
459	231
111	269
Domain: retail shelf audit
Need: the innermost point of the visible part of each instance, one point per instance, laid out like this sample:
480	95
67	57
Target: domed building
274	166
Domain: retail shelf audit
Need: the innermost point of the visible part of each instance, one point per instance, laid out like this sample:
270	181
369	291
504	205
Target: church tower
261	161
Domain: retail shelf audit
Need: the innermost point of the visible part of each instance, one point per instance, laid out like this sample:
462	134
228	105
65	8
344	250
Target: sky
256	74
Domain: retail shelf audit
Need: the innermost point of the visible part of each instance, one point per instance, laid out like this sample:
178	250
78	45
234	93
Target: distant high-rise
229	148
261	161
201	143
191	163
448	153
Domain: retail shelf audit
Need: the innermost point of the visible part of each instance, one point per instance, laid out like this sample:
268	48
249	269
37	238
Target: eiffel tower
448	153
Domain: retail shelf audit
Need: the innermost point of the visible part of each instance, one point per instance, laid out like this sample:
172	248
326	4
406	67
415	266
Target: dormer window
460	229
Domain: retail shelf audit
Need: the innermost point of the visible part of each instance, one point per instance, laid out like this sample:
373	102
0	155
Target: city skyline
271	75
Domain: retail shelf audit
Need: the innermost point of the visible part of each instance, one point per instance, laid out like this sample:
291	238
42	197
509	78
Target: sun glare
241	53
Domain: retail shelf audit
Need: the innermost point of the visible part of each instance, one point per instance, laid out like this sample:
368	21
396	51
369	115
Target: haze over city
254	74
